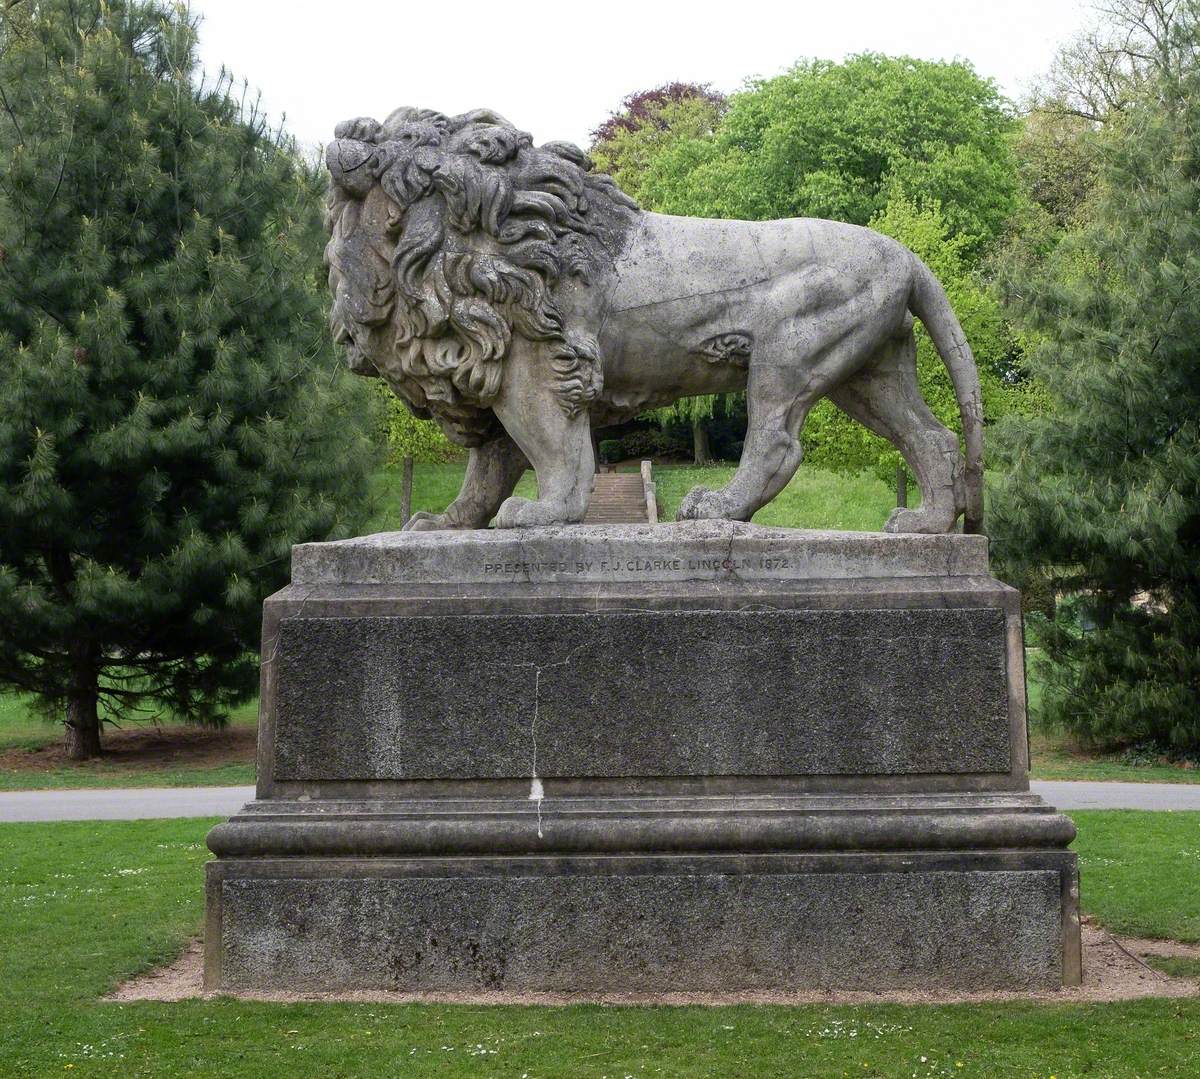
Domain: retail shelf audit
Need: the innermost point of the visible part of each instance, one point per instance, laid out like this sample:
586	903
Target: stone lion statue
519	298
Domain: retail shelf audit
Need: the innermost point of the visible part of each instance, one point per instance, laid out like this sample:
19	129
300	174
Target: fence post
649	493
406	492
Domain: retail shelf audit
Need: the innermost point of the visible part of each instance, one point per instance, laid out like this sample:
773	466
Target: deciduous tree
647	123
838	140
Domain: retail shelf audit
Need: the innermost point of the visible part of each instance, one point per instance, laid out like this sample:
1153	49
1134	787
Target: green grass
99	774
1054	757
22	727
1176	966
813	499
85	905
1140	871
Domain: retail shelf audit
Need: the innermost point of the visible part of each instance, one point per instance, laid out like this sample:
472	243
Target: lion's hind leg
886	398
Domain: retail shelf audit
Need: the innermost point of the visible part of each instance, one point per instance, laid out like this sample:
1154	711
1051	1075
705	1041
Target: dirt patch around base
144	749
1113	969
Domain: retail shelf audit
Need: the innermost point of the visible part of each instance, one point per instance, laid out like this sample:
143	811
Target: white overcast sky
558	69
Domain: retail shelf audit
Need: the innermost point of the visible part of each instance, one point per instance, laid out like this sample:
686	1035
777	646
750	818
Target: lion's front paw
702	504
517	512
426	522
920	521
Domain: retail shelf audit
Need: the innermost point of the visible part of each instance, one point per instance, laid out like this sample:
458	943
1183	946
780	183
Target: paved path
124	804
1075	795
137	804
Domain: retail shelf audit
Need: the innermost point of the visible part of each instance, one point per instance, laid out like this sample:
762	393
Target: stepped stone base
706	757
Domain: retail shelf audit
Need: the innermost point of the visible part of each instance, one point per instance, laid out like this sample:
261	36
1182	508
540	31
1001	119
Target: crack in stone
537	790
297	613
694	295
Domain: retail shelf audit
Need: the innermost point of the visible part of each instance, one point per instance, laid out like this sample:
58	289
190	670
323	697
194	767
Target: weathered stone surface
725	776
690	551
642	693
647	925
566	823
518	337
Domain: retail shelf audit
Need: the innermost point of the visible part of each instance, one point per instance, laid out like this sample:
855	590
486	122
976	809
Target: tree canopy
646	124
839	140
172	418
410	437
1102	494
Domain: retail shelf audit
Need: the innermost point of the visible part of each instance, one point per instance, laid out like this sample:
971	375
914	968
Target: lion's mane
486	227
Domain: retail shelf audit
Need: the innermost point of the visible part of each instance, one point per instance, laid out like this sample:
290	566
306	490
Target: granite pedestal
706	757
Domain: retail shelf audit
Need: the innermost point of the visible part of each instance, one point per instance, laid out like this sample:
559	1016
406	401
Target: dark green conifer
171	414
1103	496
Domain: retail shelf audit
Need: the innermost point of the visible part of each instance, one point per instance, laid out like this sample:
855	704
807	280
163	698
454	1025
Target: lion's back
671	256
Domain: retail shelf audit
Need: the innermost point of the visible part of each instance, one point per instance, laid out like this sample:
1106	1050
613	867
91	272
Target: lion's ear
478	116
570	152
406	114
361	129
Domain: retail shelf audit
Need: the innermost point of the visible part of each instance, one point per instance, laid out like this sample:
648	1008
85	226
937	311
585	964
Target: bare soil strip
144	748
1112	970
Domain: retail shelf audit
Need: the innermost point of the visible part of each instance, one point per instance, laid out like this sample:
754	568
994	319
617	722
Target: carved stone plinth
704	757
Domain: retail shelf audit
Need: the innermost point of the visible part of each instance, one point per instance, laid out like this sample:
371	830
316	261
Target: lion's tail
930	304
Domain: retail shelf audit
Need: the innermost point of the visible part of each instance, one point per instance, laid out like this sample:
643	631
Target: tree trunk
83	716
83	726
406	492
700	450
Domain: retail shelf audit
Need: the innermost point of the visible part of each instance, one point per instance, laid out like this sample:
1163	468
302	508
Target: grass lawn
85	905
1054	757
813	499
1177	967
1140	871
96	774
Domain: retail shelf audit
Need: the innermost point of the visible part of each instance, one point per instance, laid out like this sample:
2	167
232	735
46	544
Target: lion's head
448	235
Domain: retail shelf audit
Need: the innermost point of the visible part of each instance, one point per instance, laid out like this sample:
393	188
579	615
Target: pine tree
1103	496
171	417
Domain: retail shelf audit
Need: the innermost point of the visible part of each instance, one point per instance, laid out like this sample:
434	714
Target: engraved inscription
716	563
